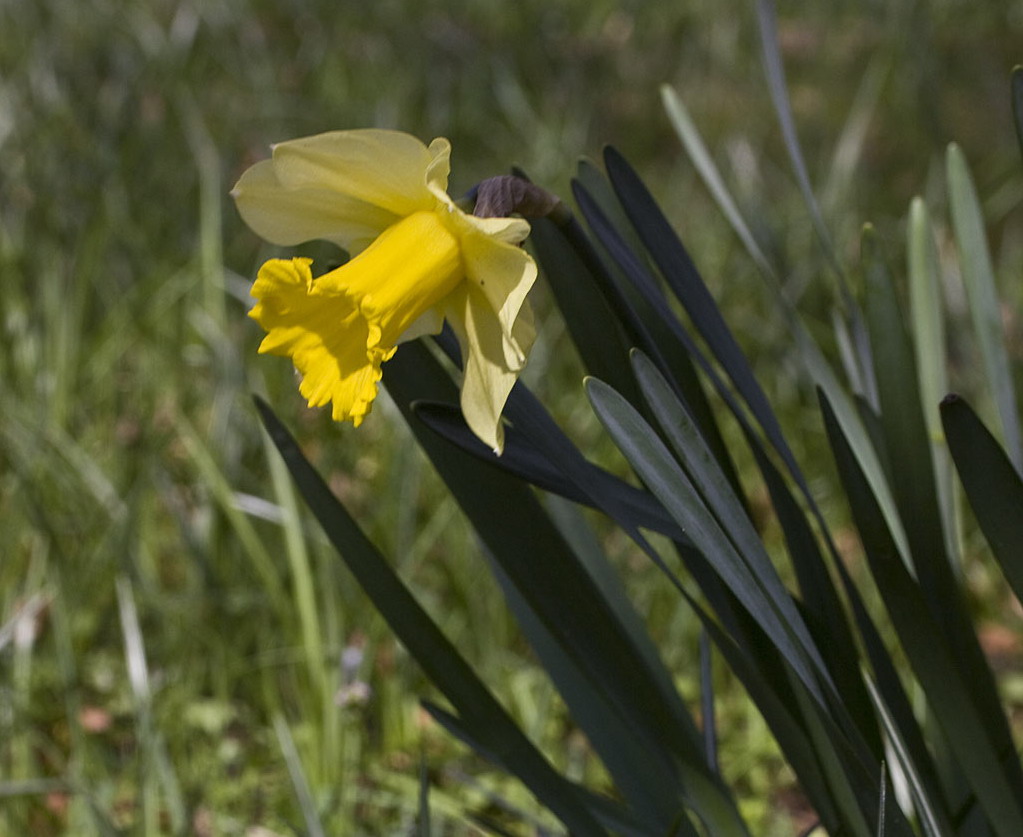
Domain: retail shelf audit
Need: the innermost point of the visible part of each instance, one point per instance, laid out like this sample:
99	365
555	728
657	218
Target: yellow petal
487	378
508	230
387	169
504	274
292	216
322	332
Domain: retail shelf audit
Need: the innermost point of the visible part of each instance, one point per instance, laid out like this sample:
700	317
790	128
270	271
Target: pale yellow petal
487	378
509	230
387	169
292	216
504	274
440	165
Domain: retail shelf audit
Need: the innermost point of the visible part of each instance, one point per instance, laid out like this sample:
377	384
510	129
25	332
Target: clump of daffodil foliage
811	654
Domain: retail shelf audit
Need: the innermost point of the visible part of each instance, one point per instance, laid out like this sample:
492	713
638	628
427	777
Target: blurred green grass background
171	625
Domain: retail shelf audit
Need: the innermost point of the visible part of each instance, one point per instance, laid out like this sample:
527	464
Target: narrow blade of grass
687	132
1017	103
774	71
298	778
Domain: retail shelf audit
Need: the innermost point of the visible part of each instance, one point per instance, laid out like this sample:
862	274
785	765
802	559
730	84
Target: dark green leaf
825	614
991	483
670	347
596	330
522	459
418	633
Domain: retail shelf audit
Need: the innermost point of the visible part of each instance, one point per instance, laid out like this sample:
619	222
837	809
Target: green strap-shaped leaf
825	614
1017	103
716	492
982	297
912	474
676	353
526	461
906	441
991	483
925	295
770	606
982	744
596	330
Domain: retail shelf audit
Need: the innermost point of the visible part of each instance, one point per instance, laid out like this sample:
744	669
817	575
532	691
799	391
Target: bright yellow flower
417	260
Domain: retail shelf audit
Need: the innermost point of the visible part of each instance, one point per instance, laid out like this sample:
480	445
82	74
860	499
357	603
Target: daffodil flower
417	260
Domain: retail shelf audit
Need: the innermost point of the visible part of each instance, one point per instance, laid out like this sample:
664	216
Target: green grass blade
909	454
441	662
775	72
687	132
838	192
423	818
775	76
982	296
822	606
992	486
856	432
298	778
256	550
303	585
